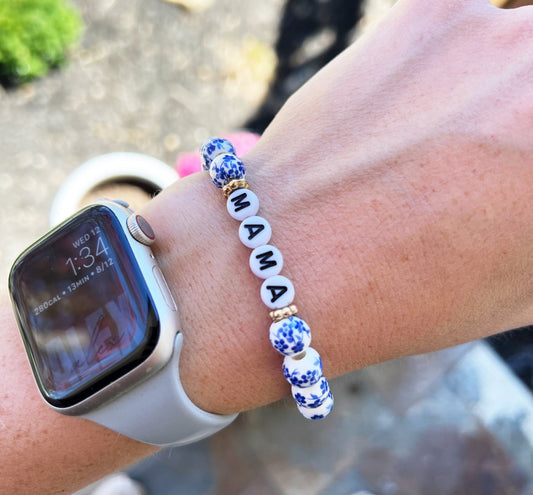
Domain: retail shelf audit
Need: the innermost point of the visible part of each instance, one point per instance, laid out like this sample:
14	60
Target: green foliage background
34	36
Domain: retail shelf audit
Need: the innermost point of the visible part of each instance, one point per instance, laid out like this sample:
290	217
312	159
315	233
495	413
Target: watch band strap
158	411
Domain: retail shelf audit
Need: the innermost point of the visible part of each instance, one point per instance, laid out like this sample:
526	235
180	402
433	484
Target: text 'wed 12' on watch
101	328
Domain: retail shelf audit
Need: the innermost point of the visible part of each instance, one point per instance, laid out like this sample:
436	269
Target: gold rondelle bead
280	314
234	185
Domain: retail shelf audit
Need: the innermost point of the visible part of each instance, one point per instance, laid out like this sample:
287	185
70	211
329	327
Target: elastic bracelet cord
289	334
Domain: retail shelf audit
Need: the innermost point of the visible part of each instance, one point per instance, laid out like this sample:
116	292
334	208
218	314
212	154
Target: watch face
85	312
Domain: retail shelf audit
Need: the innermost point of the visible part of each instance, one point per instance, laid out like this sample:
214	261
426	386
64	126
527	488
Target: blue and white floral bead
319	412
303	371
214	147
225	168
290	336
312	396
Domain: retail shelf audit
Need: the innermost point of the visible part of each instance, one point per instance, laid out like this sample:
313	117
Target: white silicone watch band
158	411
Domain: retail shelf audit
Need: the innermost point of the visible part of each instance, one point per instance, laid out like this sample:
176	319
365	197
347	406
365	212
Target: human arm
398	184
394	243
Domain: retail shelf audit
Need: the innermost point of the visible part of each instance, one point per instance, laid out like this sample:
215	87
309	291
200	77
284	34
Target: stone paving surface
455	422
157	78
149	77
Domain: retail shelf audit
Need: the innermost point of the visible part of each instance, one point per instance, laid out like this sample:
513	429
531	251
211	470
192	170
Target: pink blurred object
188	163
191	162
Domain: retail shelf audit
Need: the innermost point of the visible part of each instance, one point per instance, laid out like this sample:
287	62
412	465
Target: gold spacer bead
280	314
234	185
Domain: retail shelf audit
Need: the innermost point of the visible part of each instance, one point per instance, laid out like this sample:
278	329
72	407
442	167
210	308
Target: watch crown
121	202
140	229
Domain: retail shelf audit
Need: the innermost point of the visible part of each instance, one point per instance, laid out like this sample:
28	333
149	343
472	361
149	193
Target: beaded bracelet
289	334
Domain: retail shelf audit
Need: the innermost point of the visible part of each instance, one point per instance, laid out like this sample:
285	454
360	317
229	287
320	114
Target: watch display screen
84	309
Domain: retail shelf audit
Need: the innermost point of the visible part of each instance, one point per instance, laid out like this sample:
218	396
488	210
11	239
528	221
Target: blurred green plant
34	37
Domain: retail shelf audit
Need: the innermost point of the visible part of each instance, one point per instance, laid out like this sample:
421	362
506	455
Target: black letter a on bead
277	291
254	229
239	202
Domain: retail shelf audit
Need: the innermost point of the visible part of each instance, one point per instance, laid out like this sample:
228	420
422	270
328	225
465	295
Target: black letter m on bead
265	261
239	202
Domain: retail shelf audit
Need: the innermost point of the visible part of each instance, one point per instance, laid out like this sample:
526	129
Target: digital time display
87	254
84	309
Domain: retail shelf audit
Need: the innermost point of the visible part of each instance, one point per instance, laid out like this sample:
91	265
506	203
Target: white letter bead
277	292
319	412
313	396
266	261
242	203
254	232
303	371
290	336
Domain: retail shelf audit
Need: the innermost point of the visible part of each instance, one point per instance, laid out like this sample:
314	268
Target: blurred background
158	77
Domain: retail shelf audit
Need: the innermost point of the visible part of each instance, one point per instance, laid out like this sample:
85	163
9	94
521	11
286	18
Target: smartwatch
101	328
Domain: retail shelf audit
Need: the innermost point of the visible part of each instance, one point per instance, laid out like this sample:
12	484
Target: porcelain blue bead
313	396
303	371
290	336
214	147
319	412
225	168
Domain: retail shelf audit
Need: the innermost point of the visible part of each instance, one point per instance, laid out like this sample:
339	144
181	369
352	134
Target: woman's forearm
397	183
43	451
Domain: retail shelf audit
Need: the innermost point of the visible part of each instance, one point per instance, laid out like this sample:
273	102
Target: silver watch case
168	319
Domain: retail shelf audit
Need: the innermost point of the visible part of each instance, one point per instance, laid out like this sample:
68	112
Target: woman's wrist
398	199
372	264
226	364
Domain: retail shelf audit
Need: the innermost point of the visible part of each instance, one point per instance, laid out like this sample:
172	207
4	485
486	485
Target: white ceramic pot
119	167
